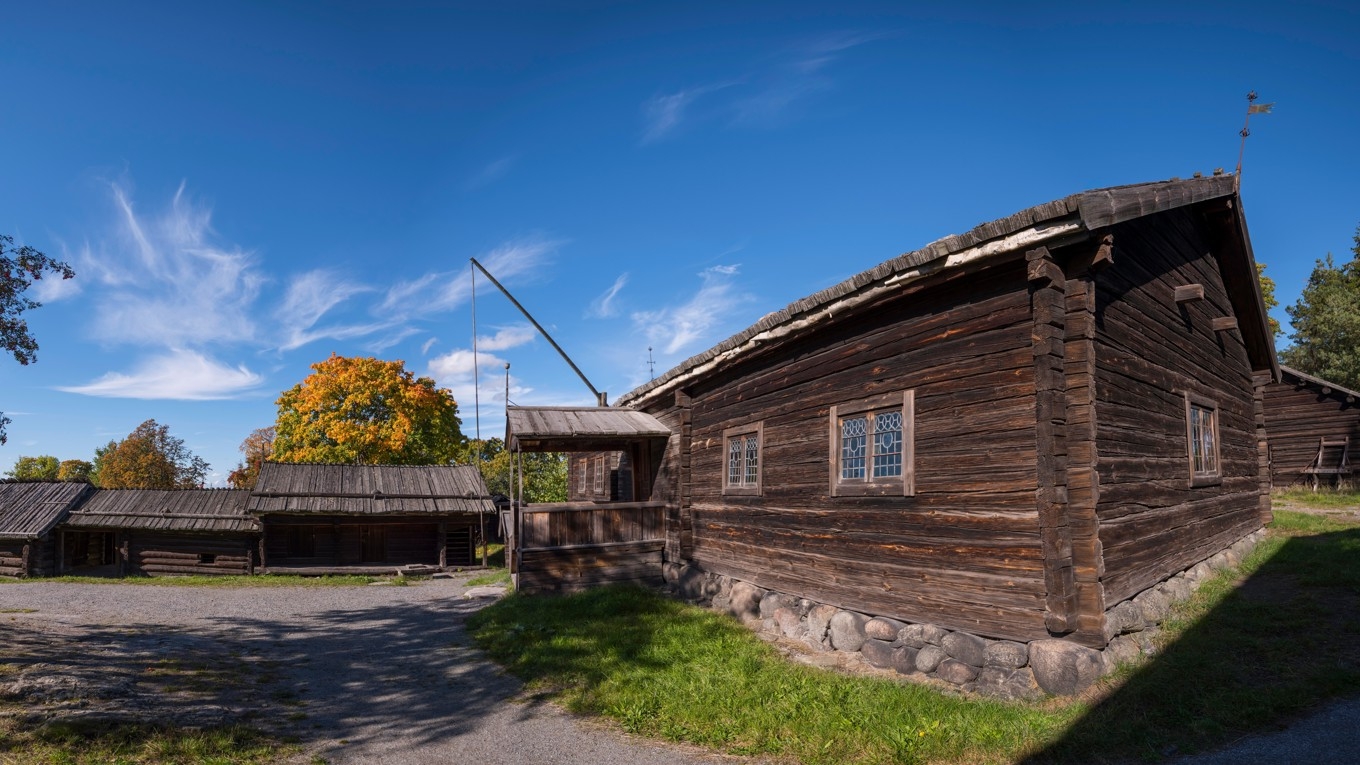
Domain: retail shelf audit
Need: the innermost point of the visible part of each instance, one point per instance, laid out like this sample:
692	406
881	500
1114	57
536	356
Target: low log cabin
153	532
319	519
1314	429
1006	432
30	512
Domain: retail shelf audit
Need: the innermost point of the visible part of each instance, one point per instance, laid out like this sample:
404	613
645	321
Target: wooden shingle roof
1291	376
179	510
1068	219
565	428
292	488
29	510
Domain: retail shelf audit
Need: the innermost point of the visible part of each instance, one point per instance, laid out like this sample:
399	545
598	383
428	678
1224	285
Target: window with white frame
741	459
1201	436
872	446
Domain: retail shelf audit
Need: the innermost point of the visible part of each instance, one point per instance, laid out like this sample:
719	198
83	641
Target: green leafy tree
19	268
76	471
43	468
1268	297
149	458
258	447
367	411
1326	319
545	473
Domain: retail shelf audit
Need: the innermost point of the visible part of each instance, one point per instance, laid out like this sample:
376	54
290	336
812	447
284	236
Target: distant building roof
298	488
29	509
565	428
1295	377
180	510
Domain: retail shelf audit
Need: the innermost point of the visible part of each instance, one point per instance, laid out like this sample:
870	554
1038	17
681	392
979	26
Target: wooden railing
573	545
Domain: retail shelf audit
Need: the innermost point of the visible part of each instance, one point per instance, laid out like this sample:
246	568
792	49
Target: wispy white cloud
676	328
437	292
308	298
390	339
662	115
51	289
425	346
506	338
169	283
763	97
603	306
179	375
492	172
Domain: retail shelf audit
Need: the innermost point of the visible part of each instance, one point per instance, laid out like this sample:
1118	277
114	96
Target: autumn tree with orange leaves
367	411
258	447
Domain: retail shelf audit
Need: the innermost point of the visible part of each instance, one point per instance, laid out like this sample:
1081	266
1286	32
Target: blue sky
246	188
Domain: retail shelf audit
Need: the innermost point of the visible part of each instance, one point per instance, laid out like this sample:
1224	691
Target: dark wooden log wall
616	485
28	557
1298	414
12	557
965	552
154	553
1150	351
338	539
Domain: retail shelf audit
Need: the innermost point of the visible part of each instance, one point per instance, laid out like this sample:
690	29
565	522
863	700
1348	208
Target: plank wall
1149	352
337	540
1298	414
965	551
158	553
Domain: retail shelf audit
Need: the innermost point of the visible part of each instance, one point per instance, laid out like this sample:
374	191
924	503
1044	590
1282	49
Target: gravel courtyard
377	674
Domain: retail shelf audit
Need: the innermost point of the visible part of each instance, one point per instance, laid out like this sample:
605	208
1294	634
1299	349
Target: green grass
264	580
135	744
1323	498
497	576
667	670
1254	648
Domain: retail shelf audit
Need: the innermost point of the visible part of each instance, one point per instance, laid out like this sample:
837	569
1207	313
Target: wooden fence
570	546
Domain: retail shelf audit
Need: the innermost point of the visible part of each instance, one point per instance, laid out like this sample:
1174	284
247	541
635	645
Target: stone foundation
999	668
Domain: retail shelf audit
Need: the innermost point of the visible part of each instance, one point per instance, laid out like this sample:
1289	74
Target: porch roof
576	429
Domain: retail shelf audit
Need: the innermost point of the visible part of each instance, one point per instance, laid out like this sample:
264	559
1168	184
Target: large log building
1007	432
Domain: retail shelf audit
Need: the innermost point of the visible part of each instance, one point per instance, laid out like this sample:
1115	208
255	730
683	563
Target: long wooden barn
150	532
29	515
1314	430
1007	433
351	518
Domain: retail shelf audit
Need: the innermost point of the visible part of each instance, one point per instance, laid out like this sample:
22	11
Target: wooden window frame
598	486
745	488
583	478
1202	478
869	486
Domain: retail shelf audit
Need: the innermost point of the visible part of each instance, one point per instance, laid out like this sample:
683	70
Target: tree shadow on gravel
1266	649
397	672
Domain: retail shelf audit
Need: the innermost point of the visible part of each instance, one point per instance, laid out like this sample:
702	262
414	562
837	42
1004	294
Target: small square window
1201	436
872	447
741	459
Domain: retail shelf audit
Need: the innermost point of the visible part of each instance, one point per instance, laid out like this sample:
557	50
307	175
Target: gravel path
375	674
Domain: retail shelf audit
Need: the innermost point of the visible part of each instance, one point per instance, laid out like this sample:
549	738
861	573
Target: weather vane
1252	108
651	363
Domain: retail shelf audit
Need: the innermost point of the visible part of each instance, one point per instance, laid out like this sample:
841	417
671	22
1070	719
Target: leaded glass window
1203	440
854	434
887	444
871	446
741	447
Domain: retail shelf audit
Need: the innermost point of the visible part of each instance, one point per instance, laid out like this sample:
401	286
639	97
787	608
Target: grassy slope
1258	654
